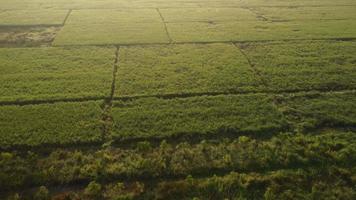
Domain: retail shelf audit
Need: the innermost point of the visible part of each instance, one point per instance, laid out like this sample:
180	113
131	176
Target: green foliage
260	30
32	17
93	191
42	73
307	13
180	69
228	114
305	65
207	14
232	149
281	184
42	194
113	27
60	123
284	151
320	110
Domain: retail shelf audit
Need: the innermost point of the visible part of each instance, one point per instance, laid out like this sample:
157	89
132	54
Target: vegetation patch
320	110
308	13
50	124
169	162
207	14
305	65
43	74
179	69
260	30
32	17
154	117
113	27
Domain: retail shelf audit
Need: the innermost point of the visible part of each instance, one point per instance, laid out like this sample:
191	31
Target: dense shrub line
166	161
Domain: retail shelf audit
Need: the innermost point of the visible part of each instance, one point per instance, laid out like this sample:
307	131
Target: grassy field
177	99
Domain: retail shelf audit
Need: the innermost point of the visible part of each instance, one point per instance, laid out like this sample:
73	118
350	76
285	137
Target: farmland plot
177	99
321	110
153	117
32	17
113	27
30	27
182	69
316	65
43	74
260	30
50	124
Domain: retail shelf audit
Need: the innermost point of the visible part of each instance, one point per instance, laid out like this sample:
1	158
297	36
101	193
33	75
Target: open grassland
177	99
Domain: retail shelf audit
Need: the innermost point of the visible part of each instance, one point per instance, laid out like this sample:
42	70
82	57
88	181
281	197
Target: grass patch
305	65
308	13
32	17
321	110
125	33
177	69
112	27
153	117
46	124
260	30
43	74
99	16
207	14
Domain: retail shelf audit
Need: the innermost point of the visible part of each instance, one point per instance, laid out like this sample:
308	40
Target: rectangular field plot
99	16
260	30
113	27
43	74
46	124
206	14
307	65
154	117
104	4
308	13
321	110
32	17
186	68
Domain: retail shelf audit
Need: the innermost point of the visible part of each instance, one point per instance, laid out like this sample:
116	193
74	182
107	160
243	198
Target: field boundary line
50	101
259	16
200	6
252	66
106	118
208	42
239	93
346	39
66	17
165	25
266	85
173	96
24	26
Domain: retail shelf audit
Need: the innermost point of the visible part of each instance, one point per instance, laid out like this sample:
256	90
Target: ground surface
178	99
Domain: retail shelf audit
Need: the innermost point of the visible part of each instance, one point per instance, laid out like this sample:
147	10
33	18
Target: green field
177	99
